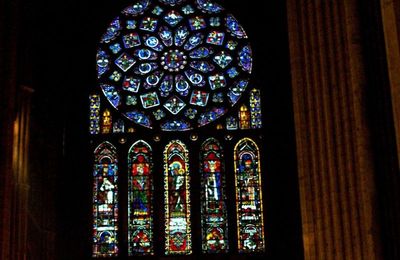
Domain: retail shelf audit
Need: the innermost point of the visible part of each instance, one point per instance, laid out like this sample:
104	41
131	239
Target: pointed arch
249	204
214	221
140	199
178	238
105	201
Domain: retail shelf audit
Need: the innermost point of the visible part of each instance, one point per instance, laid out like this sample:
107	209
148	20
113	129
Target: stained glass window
214	219
140	202
255	107
174	65
178	237
105	201
249	207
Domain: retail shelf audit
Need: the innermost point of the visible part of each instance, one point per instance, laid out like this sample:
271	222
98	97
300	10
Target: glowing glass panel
140	199
105	201
214	220
249	206
178	240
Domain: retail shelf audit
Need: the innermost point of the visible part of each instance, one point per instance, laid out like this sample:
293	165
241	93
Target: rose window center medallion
174	65
173	60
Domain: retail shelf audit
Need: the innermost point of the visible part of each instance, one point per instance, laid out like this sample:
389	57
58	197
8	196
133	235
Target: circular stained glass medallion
174	64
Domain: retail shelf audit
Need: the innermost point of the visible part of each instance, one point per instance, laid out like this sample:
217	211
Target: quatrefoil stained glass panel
186	62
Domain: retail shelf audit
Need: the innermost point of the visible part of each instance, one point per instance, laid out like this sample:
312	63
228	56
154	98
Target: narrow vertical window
105	201
140	199
106	122
214	220
255	108
249	197
177	200
94	127
244	117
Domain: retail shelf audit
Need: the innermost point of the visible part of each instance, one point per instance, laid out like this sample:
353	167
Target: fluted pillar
336	174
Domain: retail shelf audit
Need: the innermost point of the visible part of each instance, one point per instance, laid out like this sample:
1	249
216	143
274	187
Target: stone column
336	174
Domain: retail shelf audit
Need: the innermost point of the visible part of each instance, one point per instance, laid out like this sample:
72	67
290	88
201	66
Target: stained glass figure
105	201
249	204
106	122
214	220
165	51
255	109
94	127
140	199
178	237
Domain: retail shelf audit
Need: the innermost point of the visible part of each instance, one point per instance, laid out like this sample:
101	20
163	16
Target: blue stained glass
232	72
218	98
231	45
166	86
125	62
181	85
211	116
149	24
137	8
200	53
131	84
246	61
216	38
131	101
195	77
236	90
112	95
153	43
180	35
146	54
199	98
231	123
112	31
131	40
209	7
223	59
115	76
102	63
150	100
139	118
157	10
202	66
234	27
197	23
215	21
194	41
172	2
187	9
119	126
173	18
146	68
174	105
153	79
115	48
176	125
131	24
159	114
217	81
191	113
166	36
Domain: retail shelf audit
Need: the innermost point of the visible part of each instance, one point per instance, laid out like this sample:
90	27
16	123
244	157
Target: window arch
140	199
178	237
176	66
214	219
249	206
105	201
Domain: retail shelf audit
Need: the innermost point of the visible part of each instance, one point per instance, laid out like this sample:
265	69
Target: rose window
174	65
